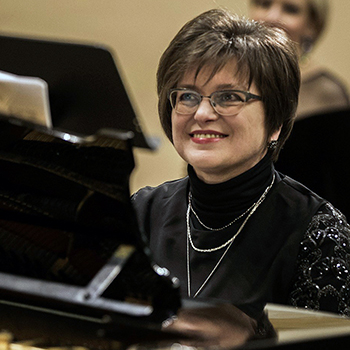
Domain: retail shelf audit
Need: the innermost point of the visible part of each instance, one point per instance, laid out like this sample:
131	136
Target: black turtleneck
219	204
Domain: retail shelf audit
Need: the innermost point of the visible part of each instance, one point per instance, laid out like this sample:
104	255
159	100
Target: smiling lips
206	136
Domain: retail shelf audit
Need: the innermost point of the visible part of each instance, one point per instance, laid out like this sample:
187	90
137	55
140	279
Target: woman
305	20
235	229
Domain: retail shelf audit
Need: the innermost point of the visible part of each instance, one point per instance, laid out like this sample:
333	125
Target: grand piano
75	269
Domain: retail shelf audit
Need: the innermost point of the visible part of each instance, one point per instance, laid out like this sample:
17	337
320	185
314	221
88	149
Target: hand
221	325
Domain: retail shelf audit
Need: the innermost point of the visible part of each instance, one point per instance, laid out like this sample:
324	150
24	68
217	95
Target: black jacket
267	261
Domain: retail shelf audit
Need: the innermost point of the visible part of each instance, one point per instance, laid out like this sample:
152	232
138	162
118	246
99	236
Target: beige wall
138	31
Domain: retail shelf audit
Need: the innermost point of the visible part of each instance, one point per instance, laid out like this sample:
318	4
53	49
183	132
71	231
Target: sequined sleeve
322	280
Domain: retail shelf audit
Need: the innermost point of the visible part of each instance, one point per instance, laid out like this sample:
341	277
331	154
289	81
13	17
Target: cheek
258	14
296	28
256	124
254	13
174	126
178	130
257	135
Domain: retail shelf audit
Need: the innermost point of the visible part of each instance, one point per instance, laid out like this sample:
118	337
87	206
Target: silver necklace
228	243
220	228
252	210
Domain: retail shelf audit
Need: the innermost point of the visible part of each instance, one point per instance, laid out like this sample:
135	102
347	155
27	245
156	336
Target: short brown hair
263	53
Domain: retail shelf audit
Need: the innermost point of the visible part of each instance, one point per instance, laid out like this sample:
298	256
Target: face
293	15
220	147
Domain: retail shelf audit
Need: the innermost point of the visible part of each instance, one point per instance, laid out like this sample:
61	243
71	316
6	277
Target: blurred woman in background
305	21
317	150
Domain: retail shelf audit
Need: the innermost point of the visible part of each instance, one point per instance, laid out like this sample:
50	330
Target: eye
262	3
291	9
229	97
188	98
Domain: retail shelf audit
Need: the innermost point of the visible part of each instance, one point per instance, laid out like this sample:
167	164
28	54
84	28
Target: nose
205	111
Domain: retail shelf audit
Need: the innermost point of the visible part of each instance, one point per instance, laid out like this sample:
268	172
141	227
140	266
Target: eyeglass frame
248	95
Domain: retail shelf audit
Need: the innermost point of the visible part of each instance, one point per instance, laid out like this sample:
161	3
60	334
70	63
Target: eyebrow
219	87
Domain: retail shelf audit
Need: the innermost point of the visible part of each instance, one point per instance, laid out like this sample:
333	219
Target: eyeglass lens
224	102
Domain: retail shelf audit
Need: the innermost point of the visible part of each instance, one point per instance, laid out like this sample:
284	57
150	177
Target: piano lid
85	91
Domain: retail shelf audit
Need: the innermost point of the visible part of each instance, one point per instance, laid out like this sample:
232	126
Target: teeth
207	136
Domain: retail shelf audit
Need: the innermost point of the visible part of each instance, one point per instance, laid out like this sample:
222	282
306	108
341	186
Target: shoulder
326	84
329	215
164	191
153	204
322	91
297	192
316	74
322	279
332	84
328	230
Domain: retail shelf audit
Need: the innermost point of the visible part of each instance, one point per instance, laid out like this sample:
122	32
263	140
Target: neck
220	202
217	176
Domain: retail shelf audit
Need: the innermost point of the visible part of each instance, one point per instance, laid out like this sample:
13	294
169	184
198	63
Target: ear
275	135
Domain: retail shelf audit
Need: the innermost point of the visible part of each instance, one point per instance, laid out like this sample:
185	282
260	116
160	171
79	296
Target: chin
204	161
208	166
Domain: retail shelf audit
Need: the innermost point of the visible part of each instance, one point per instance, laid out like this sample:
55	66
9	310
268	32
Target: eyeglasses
226	102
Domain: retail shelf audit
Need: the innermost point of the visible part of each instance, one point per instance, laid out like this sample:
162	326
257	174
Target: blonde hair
318	12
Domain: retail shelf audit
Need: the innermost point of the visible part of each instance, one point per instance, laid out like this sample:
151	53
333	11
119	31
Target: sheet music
25	98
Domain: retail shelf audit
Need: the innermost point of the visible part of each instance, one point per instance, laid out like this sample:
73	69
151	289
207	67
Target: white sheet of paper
25	98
